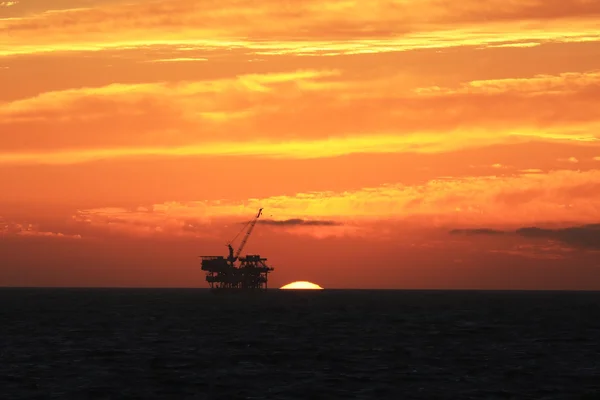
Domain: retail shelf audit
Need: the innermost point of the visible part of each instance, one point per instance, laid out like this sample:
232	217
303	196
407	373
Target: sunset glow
435	144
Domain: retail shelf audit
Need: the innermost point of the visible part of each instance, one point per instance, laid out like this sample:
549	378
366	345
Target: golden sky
392	143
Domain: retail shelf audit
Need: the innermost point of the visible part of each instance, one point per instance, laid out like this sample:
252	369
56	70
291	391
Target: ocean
330	344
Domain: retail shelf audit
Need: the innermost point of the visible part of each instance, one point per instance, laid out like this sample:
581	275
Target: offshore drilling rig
236	273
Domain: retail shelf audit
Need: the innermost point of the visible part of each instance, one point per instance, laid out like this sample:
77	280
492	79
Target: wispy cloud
179	59
540	84
298	222
537	251
572	160
257	115
11	228
532	198
309	28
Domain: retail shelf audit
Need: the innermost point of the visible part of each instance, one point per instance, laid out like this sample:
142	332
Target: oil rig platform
235	273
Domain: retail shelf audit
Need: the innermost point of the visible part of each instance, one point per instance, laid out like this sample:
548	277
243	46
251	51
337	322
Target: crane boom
252	224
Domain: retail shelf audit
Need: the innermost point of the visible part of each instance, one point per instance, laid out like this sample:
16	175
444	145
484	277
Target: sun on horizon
302	285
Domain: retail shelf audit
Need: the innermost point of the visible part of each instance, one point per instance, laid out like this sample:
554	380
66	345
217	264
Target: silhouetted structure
250	274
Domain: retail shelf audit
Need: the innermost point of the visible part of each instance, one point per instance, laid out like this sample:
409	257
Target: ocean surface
331	344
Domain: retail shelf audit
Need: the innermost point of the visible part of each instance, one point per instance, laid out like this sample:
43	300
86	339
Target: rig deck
250	274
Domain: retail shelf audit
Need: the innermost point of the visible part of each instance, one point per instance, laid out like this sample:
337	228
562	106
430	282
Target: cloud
307	28
477	231
172	220
583	236
572	160
539	84
298	222
296	114
531	199
491	204
546	251
192	219
179	59
19	229
297	149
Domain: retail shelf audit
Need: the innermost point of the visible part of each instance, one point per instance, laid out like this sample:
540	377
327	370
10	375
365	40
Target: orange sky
392	143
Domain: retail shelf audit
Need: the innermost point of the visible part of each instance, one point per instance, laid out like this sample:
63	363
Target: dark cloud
479	231
298	222
584	236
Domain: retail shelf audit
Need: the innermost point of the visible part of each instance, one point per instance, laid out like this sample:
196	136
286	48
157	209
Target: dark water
177	344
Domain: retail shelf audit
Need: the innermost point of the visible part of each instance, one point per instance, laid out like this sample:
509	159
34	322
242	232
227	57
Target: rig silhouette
235	273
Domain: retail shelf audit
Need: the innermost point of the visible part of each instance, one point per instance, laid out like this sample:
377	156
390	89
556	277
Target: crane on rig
234	257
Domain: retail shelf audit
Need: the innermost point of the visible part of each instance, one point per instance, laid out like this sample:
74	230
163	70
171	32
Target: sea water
331	344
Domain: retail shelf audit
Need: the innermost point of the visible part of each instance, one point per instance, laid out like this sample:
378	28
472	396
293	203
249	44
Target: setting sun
301	285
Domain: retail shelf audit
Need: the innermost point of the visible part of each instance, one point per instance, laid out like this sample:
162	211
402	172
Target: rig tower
235	273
